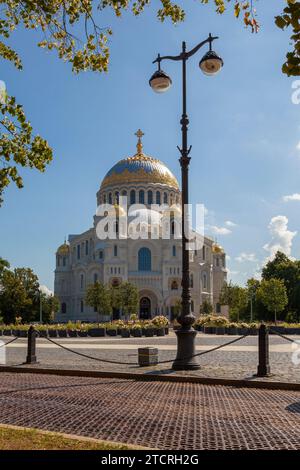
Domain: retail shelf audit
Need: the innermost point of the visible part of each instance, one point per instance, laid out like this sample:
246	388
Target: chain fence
136	363
281	335
8	342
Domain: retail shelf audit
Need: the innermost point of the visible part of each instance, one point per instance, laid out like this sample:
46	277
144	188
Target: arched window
174	250
95	278
144	259
64	307
132	196
172	227
117	197
81	306
150	197
204	281
157	197
104	198
174	285
86	247
115	250
203	252
165	198
81	281
110	198
142	196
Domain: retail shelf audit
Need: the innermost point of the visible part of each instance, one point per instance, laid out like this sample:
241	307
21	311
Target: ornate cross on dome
139	144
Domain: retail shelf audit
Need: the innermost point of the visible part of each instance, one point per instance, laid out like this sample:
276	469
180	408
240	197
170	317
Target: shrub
133	317
160	321
203	319
218	321
118	323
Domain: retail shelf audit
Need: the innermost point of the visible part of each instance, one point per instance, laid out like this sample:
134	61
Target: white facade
154	265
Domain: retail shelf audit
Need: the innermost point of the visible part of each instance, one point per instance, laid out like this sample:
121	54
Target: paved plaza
160	415
237	361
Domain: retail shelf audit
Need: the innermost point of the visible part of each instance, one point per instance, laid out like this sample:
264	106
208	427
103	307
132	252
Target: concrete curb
155	377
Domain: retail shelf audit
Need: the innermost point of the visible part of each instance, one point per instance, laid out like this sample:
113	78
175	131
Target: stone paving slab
159	415
238	361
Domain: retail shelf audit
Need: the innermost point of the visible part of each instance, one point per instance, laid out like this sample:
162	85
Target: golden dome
64	249
140	168
217	248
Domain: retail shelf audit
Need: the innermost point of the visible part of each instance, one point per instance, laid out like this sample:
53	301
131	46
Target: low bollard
263	368
148	356
31	346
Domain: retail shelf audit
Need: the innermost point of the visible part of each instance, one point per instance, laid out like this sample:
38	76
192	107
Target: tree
252	287
116	297
3	266
236	298
273	295
206	308
51	305
129	298
19	148
99	297
13	297
281	267
87	49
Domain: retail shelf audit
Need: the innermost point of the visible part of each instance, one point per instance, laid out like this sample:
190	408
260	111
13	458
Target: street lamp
210	64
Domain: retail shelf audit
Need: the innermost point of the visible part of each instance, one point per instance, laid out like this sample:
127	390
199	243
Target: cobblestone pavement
236	361
159	415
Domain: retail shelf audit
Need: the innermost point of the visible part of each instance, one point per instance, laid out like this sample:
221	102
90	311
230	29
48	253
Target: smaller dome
63	249
217	248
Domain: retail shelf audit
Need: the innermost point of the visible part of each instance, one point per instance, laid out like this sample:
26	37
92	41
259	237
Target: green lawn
13	438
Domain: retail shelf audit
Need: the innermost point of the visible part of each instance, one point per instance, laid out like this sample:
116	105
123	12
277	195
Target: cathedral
153	264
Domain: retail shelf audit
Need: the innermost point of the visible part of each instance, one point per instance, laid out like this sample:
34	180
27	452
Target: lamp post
210	64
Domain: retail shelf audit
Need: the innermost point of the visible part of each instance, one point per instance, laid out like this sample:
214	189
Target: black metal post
263	368
31	346
185	359
186	334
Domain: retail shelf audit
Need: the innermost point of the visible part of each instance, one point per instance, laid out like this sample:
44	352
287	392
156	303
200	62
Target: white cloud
246	257
231	273
45	290
229	223
292	197
219	230
281	237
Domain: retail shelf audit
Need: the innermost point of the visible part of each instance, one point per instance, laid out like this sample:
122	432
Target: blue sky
244	130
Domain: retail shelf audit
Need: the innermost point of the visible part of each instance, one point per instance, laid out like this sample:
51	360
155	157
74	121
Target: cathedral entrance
145	308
